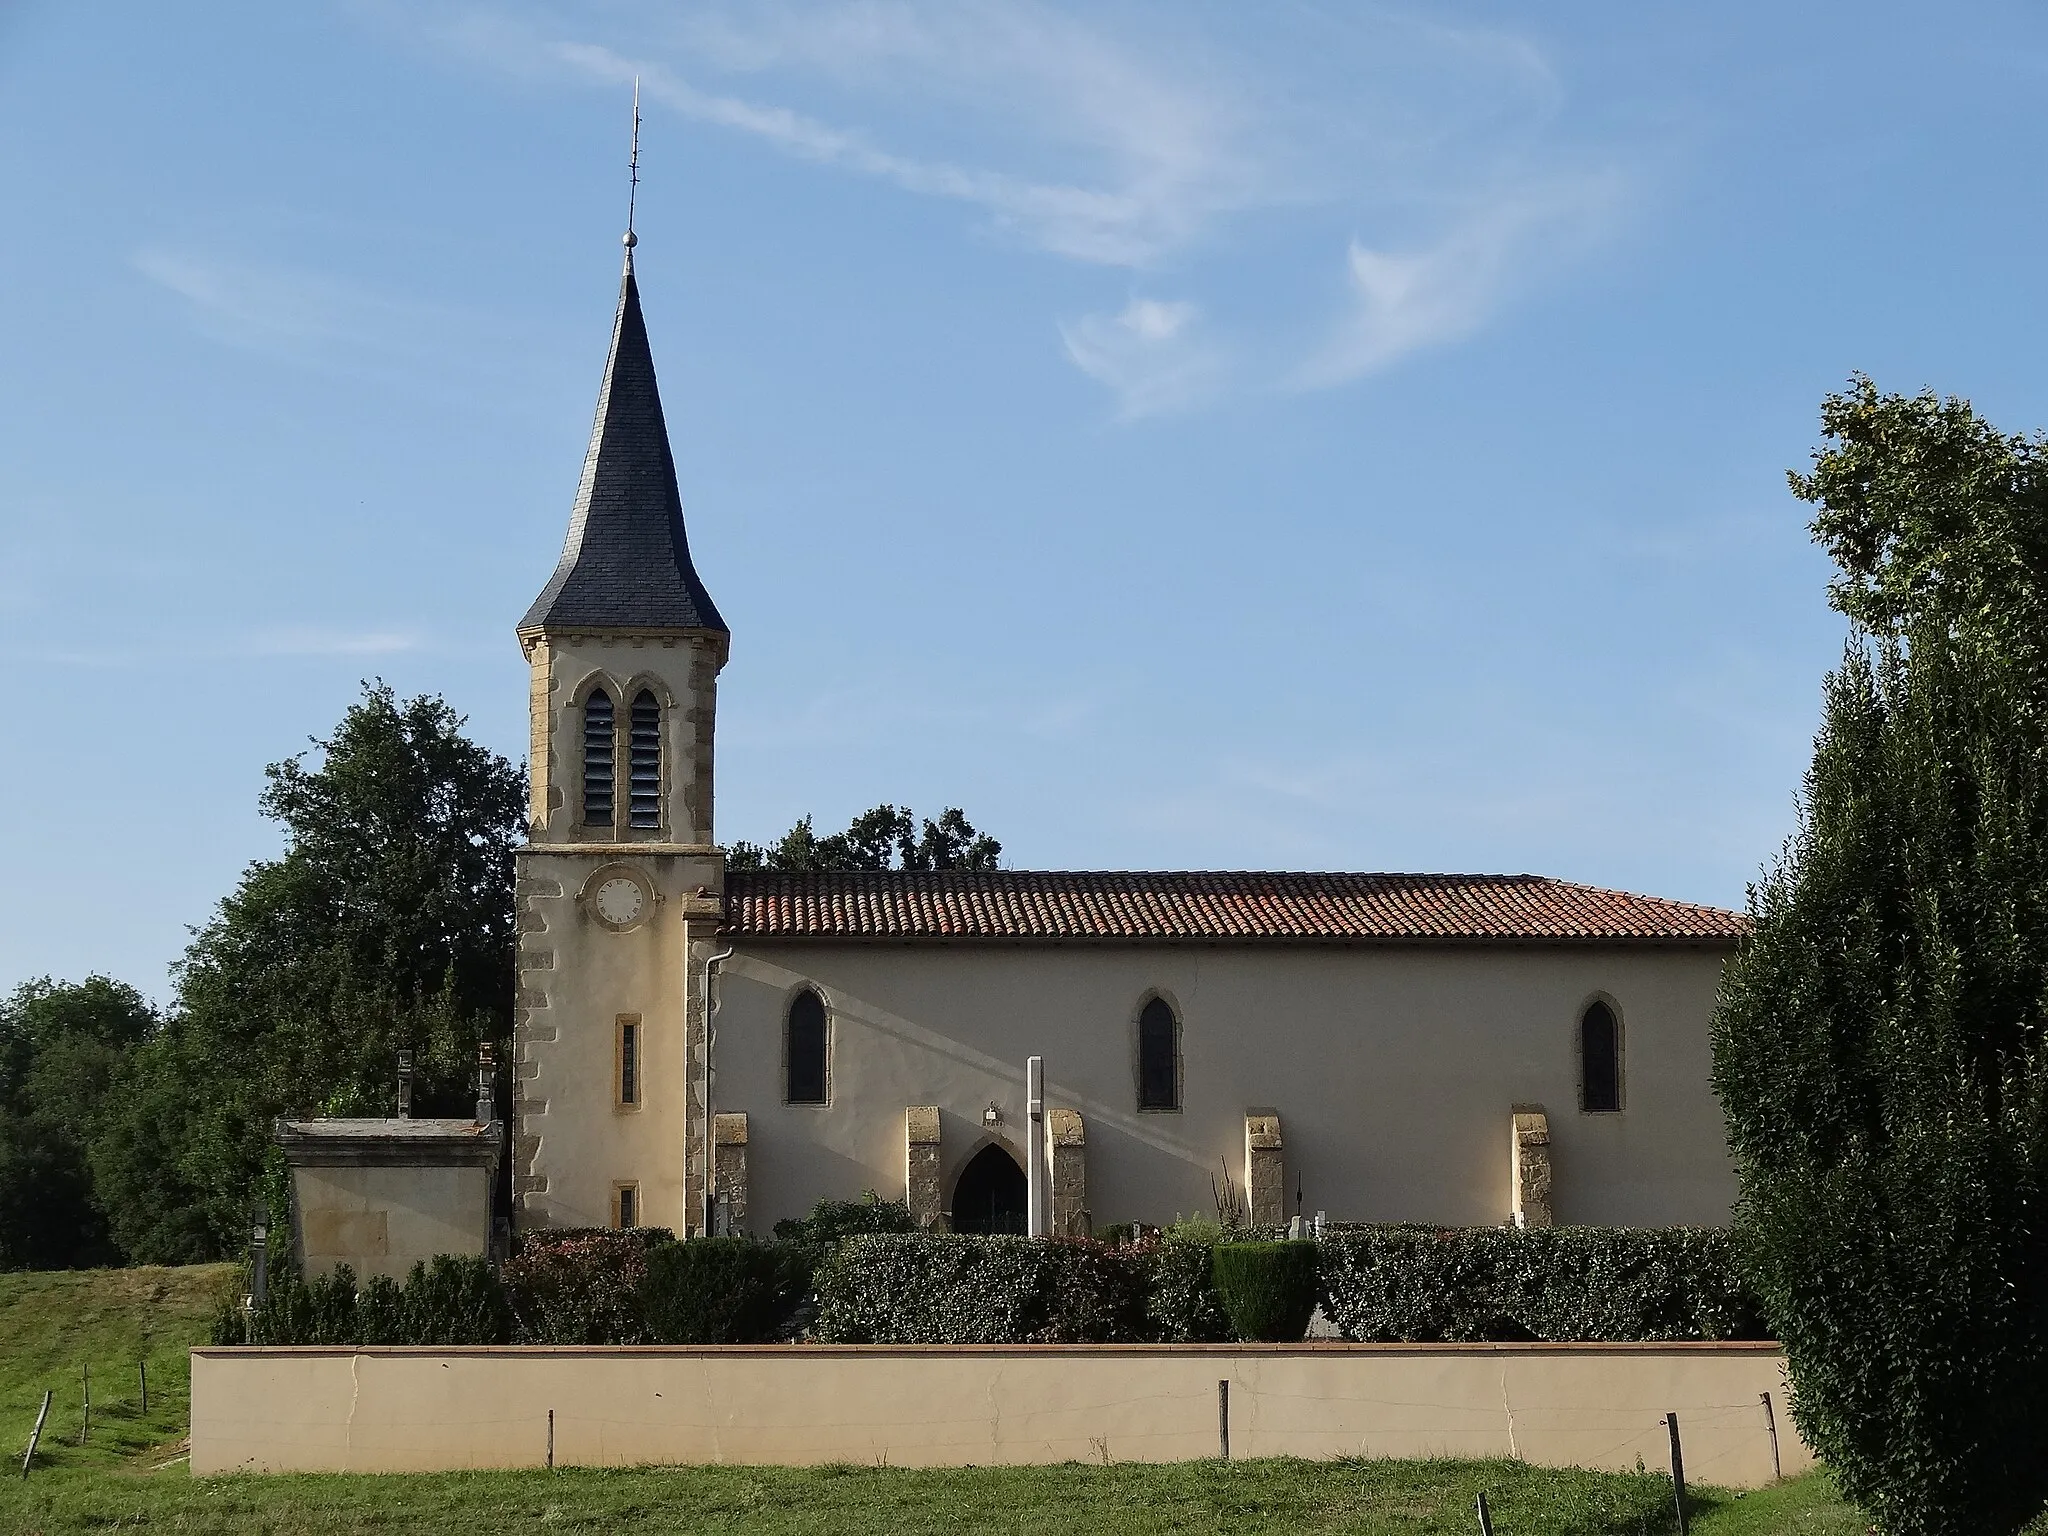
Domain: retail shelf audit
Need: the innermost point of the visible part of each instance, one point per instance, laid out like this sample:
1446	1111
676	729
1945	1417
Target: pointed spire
626	562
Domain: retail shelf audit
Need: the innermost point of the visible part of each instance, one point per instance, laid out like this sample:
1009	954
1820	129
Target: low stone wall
417	1410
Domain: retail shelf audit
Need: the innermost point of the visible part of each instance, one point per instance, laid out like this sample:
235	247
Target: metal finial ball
631	239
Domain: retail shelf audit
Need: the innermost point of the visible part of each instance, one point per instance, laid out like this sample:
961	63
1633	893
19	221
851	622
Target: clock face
620	901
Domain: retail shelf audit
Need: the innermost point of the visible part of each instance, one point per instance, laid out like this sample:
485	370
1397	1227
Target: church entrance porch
990	1195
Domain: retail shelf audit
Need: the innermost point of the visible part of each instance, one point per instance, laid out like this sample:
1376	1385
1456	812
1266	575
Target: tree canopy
887	837
65	1053
386	923
1879	1045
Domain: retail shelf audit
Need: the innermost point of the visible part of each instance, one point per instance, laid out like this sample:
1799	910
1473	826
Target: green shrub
1268	1290
722	1290
1406	1284
581	1286
1181	1304
451	1300
832	1220
447	1301
934	1288
380	1312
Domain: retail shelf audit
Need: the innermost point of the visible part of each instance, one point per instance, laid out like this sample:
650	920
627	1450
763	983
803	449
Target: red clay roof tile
1202	905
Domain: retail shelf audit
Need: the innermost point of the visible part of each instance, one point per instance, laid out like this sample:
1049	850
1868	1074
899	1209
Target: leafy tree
64	1056
887	837
149	1176
1878	1047
387	923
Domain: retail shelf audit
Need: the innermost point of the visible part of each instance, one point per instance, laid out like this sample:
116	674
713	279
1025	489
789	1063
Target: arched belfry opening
989	1195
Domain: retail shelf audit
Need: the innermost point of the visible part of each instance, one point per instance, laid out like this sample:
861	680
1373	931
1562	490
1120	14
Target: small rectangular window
625	1206
629	1061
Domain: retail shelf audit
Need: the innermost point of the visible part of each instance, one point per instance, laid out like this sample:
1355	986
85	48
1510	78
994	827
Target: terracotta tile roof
1195	905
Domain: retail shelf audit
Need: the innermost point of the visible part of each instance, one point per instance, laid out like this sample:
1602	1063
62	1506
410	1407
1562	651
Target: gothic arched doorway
989	1196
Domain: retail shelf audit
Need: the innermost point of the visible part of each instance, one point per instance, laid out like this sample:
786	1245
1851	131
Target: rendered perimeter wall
417	1410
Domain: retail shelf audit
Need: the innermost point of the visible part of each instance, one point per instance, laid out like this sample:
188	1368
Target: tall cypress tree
1879	1043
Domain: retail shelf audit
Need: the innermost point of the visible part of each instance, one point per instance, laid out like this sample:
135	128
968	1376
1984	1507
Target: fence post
551	1439
1485	1517
142	1366
1677	1472
35	1435
1223	1419
1771	1428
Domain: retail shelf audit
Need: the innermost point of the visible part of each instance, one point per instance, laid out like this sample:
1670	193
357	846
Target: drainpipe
711	966
1034	1147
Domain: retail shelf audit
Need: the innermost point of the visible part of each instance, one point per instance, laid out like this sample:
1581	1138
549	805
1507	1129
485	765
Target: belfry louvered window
643	748
599	757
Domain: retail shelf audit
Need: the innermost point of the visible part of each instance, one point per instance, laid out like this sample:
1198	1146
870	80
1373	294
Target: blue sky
1302	436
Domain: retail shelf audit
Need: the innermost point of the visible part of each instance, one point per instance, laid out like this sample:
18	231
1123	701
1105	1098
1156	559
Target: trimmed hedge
582	1286
722	1290
585	1287
1268	1290
832	1221
1387	1283
1181	1305
930	1288
448	1301
1399	1284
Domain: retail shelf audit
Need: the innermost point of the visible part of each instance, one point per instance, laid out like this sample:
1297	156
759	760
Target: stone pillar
921	1167
1265	1177
1066	1153
1529	1166
729	1169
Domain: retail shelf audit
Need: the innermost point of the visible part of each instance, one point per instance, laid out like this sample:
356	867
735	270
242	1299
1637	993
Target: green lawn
128	1477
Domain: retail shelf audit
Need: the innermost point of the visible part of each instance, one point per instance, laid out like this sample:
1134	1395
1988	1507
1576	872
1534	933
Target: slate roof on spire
626	562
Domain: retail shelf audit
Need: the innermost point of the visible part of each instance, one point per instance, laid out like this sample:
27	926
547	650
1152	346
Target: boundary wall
304	1409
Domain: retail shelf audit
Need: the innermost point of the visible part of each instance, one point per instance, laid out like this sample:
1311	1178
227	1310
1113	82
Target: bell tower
620	882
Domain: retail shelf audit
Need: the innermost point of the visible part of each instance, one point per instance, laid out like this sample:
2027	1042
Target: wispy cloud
1152	354
1144	138
1404	301
291	642
313	319
284	310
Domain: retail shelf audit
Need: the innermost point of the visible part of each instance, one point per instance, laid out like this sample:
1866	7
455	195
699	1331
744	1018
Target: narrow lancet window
1158	1057
599	756
804	1049
643	761
1599	1061
629	1061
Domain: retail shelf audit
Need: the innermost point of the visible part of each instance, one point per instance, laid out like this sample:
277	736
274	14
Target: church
714	1050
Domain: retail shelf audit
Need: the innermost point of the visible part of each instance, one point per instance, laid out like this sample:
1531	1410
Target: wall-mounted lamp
991	1117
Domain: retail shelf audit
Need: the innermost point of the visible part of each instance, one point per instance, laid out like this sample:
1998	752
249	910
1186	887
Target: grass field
127	1476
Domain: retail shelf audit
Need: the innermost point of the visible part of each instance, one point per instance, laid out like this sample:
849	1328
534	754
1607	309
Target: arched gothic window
643	762
1599	1060
1158	1056
599	758
804	1049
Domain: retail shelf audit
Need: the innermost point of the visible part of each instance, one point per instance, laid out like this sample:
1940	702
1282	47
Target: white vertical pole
1034	1146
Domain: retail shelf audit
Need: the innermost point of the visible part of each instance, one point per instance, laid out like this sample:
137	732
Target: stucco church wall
572	1142
1394	1071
